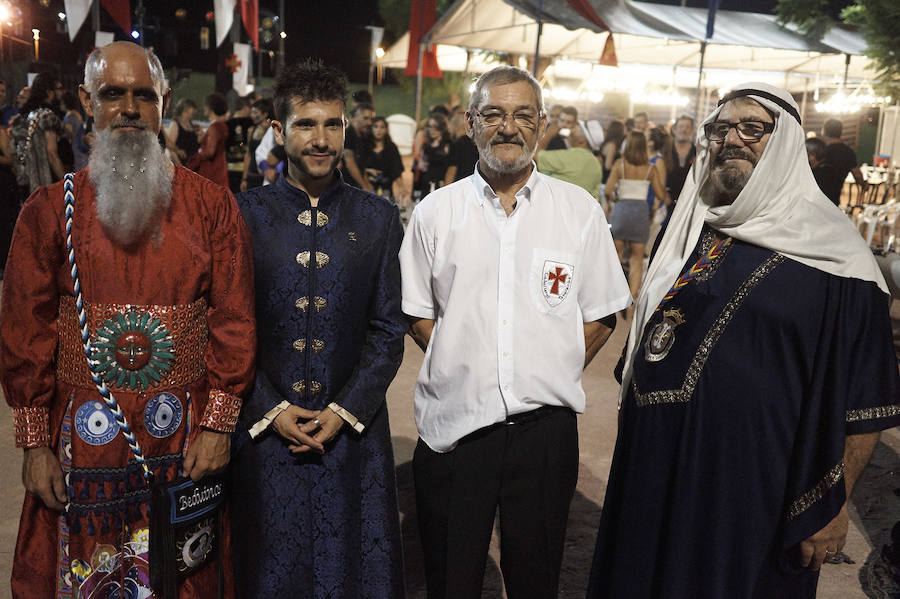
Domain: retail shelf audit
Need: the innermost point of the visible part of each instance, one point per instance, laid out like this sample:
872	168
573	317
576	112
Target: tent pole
700	80
537	43
419	81
846	68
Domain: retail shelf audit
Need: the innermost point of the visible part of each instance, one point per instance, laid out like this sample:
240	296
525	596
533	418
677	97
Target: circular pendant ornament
162	415
95	424
133	350
662	336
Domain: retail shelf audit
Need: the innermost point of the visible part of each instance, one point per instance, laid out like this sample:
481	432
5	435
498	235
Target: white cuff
347	417
267	420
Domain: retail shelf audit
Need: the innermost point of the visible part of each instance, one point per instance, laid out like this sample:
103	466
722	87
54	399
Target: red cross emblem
233	63
556	281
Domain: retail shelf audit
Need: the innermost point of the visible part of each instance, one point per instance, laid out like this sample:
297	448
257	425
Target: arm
230	354
420	330
657	180
353	169
596	334
609	155
610	189
830	540
56	164
28	340
450	175
211	142
245	171
549	133
858	177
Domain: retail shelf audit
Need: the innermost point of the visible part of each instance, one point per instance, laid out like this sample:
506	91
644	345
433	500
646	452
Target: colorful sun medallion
662	336
133	350
95	424
162	415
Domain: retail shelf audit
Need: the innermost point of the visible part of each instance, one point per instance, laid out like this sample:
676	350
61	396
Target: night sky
332	29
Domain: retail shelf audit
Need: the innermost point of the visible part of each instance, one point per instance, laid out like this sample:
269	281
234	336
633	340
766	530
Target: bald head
130	53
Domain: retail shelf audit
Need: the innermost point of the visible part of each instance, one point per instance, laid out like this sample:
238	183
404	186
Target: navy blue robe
730	447
321	525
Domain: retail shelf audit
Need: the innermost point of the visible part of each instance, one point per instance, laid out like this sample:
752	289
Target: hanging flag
584	8
224	12
240	69
608	56
120	11
711	18
422	16
250	17
76	14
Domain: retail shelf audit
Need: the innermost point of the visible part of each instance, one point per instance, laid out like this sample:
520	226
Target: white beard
133	179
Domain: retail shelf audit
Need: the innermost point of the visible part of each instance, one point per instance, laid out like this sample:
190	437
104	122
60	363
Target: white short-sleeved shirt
509	297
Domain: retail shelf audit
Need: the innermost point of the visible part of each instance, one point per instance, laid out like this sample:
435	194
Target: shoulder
197	189
437	205
565	195
368	203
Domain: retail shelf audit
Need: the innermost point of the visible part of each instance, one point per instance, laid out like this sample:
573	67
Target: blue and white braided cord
104	391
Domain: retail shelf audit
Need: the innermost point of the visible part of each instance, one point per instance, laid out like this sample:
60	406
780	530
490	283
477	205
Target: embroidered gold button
299	387
303	259
314	387
320	303
300	345
321	259
305	218
317	346
302	303
321	219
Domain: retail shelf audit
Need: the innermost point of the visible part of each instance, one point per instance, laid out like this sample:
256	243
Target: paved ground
874	511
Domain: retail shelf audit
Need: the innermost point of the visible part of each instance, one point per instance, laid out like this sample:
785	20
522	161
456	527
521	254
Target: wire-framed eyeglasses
748	131
520	118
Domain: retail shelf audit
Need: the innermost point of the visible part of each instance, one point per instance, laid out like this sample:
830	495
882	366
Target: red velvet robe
201	256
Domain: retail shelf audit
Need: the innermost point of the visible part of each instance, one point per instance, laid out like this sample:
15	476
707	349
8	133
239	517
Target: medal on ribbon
662	336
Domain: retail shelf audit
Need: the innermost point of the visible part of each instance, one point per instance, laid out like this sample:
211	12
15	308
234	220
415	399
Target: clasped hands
307	430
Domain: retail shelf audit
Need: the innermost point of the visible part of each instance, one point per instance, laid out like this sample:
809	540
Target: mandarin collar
484	191
327	196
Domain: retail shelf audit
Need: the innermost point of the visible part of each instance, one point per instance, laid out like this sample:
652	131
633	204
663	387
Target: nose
129	106
732	138
508	125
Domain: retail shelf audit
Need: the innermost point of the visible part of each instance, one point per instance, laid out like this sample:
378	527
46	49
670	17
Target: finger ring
317	423
829	551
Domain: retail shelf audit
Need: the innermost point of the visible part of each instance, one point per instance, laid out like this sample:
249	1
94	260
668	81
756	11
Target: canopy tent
646	34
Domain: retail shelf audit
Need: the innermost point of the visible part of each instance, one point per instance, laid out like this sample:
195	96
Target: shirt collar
484	191
336	184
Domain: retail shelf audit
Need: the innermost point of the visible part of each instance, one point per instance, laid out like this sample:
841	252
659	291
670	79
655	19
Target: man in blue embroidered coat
755	385
315	504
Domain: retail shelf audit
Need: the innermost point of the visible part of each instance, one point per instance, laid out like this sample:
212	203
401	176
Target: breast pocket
553	281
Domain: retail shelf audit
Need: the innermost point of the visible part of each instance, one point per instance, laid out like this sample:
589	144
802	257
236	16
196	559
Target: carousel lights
841	103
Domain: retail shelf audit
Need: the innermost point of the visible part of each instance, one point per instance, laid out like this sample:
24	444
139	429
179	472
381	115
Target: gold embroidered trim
692	375
31	427
300	386
805	501
314	387
320	303
303	259
317	346
186	323
872	413
709	240
221	412
300	345
321	219
302	303
305	218
321	259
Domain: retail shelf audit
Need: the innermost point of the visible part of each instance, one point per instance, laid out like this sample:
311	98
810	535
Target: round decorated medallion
196	545
133	350
162	415
662	336
95	424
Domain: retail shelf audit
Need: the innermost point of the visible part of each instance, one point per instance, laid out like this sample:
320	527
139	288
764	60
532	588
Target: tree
878	22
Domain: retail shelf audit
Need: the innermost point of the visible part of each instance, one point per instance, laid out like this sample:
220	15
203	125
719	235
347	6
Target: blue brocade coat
330	330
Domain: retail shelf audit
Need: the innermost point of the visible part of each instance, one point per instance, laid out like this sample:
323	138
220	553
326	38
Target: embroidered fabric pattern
186	324
872	413
706	260
692	375
221	411
31	427
805	501
706	245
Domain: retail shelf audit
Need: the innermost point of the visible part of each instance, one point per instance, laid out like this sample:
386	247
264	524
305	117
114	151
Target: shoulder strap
105	394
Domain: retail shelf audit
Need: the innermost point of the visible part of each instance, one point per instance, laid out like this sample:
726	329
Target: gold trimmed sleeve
32	427
805	501
873	413
222	411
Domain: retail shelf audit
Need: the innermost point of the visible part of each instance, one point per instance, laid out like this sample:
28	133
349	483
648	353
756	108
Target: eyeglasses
521	118
748	131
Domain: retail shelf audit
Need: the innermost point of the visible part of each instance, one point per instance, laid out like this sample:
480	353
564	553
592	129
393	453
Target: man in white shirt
511	283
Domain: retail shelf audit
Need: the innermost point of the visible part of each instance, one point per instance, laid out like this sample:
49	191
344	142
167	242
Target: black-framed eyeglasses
521	118
748	131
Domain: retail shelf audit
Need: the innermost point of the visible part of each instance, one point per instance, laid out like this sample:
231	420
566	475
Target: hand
366	185
828	542
286	426
42	476
328	426
243	185
208	454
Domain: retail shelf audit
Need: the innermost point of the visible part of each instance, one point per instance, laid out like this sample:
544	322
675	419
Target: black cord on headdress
739	93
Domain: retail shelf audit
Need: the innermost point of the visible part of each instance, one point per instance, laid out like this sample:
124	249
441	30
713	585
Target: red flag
584	8
250	17
608	56
120	11
422	16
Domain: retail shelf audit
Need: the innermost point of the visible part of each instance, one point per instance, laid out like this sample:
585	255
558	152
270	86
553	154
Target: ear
85	98
470	124
166	100
278	132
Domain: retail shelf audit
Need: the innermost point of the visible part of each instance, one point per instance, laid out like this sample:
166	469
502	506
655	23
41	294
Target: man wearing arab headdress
165	293
758	372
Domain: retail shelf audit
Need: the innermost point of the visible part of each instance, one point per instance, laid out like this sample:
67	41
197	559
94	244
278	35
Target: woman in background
181	134
209	161
382	164
435	153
